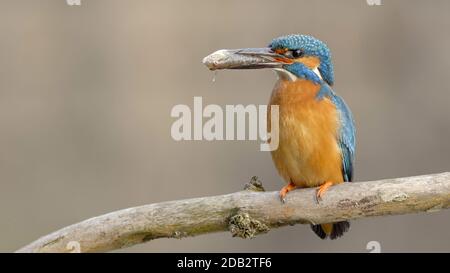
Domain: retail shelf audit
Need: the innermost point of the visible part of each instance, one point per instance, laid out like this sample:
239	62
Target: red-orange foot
322	189
289	187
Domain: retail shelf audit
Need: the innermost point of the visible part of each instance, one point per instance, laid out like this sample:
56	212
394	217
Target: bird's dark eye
297	53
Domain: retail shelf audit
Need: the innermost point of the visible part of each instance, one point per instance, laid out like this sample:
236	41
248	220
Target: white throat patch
288	76
283	74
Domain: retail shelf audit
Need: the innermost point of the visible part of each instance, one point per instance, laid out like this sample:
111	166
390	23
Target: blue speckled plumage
311	46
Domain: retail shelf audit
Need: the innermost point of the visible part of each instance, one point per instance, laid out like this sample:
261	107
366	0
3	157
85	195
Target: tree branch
248	213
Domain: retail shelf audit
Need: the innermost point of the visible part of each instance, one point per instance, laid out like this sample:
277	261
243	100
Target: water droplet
214	76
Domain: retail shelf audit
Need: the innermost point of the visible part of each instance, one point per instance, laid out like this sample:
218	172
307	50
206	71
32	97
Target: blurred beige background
86	94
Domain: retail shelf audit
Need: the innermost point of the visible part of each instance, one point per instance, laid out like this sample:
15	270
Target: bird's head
292	56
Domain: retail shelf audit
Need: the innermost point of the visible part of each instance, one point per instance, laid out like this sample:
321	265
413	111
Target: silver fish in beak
248	58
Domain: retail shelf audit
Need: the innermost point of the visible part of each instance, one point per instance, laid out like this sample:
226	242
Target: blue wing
346	138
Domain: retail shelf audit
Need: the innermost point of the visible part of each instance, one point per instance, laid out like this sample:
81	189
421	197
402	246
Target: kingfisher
316	127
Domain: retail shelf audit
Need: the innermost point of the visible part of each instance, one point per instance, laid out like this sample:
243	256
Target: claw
283	192
322	189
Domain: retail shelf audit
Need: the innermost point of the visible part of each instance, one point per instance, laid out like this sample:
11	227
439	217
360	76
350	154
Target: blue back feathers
311	47
346	138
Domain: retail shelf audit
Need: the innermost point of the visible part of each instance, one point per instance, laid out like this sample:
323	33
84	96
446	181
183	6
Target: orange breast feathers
308	153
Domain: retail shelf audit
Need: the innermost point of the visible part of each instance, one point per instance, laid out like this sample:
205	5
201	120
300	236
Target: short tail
332	230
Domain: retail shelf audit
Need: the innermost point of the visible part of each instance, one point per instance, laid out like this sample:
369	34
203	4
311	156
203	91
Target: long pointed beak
248	58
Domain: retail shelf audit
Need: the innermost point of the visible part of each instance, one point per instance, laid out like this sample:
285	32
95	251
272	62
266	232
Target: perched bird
316	127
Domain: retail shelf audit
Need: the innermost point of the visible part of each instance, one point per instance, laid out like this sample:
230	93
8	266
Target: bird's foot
283	192
322	189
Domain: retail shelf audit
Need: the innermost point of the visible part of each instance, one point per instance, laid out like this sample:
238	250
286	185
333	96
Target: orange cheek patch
310	62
